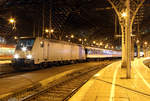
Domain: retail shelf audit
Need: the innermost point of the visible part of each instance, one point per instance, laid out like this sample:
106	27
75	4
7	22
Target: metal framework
131	8
137	22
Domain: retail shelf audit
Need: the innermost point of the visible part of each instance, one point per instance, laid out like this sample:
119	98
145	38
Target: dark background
90	19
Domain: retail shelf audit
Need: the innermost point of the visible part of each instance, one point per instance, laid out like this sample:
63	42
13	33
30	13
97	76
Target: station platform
110	84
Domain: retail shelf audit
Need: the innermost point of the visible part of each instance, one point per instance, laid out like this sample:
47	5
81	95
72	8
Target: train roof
89	47
52	40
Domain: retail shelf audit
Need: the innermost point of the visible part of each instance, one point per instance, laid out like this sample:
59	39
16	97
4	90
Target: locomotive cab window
28	43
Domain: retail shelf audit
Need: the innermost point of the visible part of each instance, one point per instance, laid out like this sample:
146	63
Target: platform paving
110	84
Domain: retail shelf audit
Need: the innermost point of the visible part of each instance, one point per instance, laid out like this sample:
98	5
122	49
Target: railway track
64	90
58	90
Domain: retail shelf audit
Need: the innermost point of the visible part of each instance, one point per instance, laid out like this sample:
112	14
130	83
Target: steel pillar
126	27
138	50
128	40
123	64
132	49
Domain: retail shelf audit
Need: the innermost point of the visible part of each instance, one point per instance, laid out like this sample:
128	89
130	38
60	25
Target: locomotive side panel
54	51
66	52
37	51
74	52
45	51
81	54
59	51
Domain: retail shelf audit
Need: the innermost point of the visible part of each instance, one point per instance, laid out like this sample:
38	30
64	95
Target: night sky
84	18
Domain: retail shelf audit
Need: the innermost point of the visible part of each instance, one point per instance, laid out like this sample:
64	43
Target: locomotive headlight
24	49
29	56
16	56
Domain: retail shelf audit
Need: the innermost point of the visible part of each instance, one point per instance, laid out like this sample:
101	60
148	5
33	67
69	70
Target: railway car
30	52
93	53
40	51
6	51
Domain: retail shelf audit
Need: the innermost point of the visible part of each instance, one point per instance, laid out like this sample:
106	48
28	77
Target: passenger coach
93	53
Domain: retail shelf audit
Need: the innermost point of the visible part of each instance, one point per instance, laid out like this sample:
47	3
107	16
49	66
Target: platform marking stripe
146	83
112	93
103	70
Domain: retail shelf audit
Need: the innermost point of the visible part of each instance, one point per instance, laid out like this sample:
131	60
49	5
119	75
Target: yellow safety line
103	70
112	93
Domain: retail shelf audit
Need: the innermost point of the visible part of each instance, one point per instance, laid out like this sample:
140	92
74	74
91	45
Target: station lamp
106	46
80	39
94	42
97	44
137	41
12	20
85	39
145	43
15	37
72	36
101	43
51	30
124	14
46	30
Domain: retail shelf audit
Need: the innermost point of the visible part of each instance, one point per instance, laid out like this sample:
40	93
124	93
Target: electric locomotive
41	51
